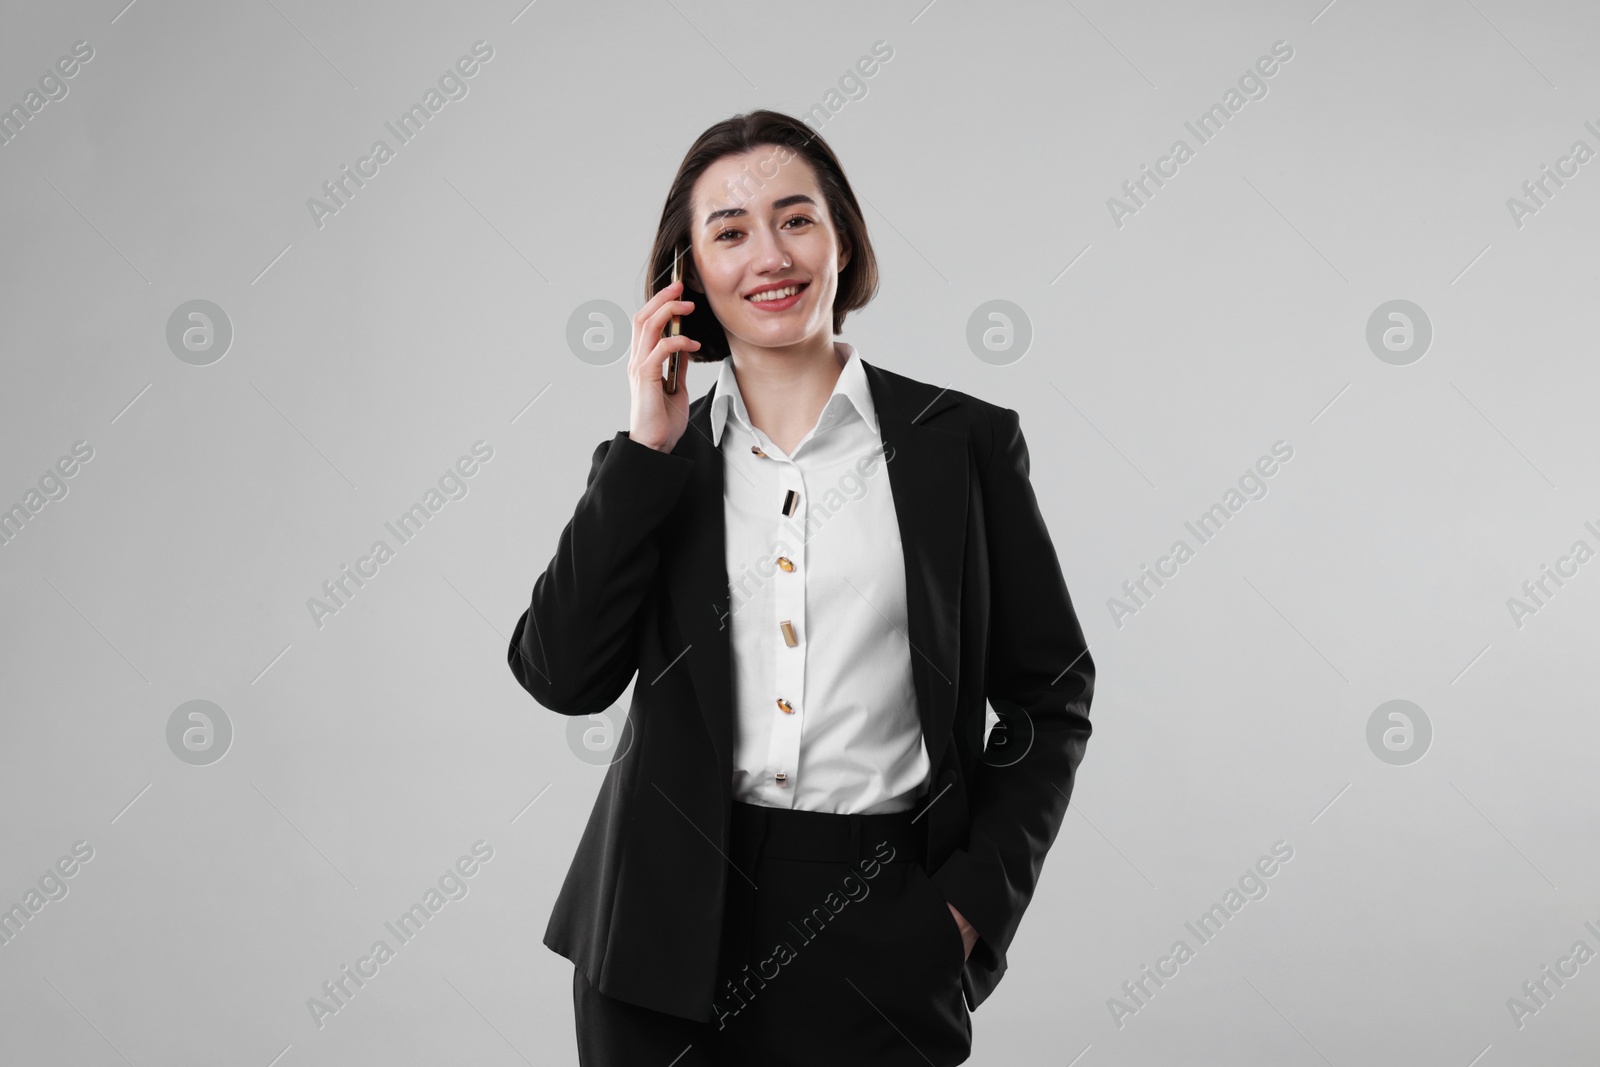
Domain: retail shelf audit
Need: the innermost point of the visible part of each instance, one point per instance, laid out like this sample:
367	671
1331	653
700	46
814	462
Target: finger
668	345
657	357
670	291
655	325
656	322
648	366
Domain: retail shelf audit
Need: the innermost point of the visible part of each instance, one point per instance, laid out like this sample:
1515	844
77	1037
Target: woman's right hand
656	419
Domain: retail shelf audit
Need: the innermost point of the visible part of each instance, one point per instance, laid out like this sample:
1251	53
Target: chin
785	333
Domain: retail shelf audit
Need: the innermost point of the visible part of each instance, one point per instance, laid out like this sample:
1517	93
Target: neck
784	389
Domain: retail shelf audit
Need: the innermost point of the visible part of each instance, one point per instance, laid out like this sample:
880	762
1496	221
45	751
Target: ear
844	253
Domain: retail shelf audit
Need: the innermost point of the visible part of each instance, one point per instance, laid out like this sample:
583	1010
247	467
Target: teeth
775	294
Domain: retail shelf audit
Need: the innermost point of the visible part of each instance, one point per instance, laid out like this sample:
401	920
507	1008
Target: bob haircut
858	282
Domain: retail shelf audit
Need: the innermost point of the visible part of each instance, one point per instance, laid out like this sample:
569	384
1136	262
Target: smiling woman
736	169
774	743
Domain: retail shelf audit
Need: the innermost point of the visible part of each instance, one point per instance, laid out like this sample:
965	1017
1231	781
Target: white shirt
851	740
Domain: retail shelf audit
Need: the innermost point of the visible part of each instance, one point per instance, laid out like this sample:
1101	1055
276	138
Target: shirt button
781	777
785	707
789	637
785	563
757	450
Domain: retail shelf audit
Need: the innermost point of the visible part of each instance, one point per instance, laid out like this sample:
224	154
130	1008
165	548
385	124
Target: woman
804	851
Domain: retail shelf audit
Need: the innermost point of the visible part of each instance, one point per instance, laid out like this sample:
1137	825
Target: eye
739	233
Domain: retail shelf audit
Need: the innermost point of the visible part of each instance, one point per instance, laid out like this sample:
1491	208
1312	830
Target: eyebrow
777	205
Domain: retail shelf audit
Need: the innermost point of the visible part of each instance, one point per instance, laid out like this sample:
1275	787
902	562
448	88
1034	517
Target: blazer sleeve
1040	679
575	648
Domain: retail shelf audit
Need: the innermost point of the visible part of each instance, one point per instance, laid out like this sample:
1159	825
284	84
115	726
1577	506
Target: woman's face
758	224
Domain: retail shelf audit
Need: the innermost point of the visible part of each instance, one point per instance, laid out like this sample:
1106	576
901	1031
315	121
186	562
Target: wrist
646	442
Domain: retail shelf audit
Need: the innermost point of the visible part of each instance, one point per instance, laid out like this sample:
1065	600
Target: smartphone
671	384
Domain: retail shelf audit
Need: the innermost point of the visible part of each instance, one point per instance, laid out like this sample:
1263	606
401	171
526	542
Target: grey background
430	313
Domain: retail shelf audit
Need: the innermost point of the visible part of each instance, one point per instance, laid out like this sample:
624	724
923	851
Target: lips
799	286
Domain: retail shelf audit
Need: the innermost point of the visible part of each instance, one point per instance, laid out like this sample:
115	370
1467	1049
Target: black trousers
836	949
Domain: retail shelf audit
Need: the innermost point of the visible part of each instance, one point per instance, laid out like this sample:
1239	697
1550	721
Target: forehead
753	180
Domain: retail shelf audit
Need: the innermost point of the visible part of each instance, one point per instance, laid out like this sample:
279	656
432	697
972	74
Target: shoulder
983	423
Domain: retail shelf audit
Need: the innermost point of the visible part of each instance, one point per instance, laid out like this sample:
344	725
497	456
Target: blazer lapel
697	584
927	467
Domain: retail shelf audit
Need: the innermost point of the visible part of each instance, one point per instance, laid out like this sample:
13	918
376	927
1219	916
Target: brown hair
858	282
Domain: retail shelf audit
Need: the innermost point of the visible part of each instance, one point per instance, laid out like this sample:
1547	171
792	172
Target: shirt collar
851	390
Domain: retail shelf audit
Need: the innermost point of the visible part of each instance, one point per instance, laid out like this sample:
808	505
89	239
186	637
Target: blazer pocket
946	930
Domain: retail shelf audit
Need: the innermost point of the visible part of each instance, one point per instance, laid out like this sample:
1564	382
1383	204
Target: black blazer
639	584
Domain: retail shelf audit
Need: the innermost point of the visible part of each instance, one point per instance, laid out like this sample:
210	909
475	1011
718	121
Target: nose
769	255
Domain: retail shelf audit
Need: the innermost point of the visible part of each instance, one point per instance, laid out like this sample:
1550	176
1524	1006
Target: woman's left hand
969	936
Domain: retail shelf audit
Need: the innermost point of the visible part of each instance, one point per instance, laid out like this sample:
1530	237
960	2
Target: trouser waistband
794	834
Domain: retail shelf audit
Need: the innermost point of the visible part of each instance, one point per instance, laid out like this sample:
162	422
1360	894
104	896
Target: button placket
789	606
